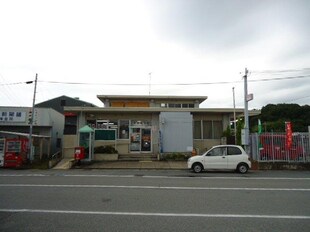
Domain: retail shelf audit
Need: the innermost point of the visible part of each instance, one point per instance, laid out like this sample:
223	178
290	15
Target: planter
109	157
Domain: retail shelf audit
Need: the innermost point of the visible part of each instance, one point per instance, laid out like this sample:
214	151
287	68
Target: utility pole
31	156
235	130
246	113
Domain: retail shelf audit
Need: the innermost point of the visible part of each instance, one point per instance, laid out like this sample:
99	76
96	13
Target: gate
272	147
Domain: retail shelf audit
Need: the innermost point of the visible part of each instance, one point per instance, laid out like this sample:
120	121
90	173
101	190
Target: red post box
79	153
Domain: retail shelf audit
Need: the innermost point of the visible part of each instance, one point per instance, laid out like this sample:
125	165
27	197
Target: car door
216	158
234	157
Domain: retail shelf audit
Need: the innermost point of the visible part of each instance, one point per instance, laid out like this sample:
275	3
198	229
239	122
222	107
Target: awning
24	134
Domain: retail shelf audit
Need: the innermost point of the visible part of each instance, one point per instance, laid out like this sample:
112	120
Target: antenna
150	75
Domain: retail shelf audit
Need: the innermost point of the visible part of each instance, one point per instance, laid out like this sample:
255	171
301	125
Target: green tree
273	117
240	126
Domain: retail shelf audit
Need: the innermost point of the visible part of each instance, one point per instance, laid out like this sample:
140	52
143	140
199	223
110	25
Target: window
187	105
70	125
210	129
207	129
123	129
219	151
197	129
174	105
233	151
217	129
102	124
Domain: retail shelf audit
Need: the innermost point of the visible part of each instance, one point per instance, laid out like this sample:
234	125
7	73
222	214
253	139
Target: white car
223	157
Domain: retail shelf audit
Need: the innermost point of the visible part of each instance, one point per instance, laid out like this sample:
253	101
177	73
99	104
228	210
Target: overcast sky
85	48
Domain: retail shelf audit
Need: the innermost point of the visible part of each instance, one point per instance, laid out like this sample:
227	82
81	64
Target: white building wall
176	130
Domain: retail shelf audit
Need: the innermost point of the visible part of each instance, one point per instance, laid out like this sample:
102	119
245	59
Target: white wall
176	131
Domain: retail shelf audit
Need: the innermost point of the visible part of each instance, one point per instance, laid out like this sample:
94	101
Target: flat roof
77	109
200	99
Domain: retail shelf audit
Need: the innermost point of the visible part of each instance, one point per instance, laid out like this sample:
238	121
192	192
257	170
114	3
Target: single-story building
149	124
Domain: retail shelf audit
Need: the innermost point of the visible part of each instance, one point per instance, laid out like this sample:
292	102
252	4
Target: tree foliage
273	117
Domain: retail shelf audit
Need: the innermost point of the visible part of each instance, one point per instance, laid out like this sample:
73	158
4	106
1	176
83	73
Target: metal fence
272	147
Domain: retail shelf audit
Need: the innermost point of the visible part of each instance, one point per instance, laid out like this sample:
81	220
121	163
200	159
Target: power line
296	99
280	78
177	84
15	83
280	71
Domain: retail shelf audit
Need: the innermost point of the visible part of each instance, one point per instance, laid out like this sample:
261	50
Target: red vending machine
15	152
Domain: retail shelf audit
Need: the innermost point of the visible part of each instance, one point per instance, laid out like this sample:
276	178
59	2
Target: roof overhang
24	134
77	110
103	98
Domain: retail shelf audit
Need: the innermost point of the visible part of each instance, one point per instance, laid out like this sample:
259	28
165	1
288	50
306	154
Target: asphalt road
153	200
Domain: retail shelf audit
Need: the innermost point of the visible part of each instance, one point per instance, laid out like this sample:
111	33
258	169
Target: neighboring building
47	123
149	124
59	103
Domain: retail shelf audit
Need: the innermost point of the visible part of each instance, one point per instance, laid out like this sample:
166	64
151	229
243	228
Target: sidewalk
134	165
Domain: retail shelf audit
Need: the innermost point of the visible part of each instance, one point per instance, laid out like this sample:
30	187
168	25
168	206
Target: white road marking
152	187
158	177
299	217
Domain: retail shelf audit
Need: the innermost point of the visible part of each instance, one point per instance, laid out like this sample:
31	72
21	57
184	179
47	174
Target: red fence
275	147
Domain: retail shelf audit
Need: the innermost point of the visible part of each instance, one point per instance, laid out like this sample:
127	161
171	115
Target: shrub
108	149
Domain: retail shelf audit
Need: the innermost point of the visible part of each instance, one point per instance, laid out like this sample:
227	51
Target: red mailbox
79	153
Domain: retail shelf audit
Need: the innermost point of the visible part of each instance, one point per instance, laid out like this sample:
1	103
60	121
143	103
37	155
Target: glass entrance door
140	140
135	139
146	139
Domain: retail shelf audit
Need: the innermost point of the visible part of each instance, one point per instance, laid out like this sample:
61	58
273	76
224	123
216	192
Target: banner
259	130
259	127
289	135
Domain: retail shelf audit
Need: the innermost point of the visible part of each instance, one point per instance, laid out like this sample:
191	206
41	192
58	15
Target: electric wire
178	84
7	91
259	73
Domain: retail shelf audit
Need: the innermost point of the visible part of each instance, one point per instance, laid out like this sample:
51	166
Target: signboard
250	97
105	134
12	116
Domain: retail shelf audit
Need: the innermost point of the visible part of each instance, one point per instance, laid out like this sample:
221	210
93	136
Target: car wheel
197	167
242	168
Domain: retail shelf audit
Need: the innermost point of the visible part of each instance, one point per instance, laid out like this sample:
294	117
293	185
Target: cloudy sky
85	48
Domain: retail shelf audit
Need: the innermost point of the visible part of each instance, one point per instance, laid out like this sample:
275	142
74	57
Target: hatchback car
223	157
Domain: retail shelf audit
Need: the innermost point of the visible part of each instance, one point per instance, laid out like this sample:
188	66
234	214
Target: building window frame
208	129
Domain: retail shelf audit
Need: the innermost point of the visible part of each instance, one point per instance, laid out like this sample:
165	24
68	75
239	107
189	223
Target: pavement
70	163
